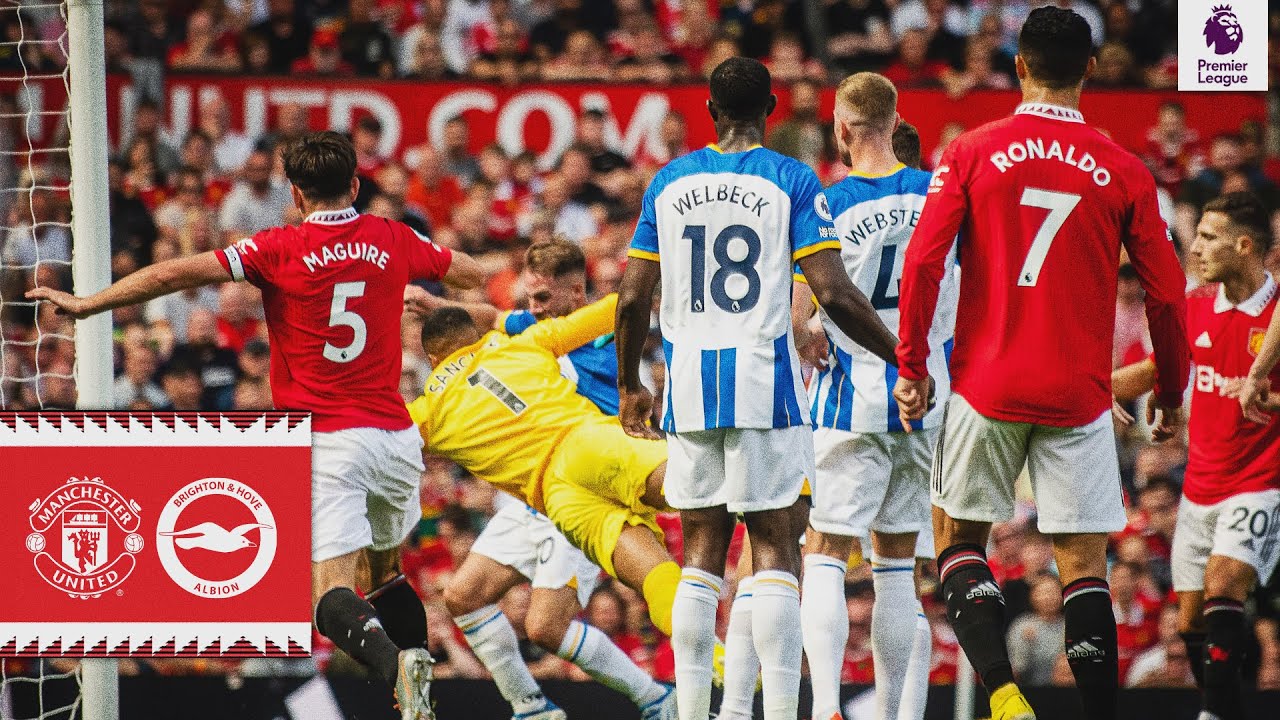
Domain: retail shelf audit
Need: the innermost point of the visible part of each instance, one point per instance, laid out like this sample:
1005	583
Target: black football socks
975	608
404	617
1195	655
1091	645
1223	646
352	624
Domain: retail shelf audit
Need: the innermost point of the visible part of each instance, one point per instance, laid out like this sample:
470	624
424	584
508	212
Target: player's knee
459	599
834	546
546	630
1227	577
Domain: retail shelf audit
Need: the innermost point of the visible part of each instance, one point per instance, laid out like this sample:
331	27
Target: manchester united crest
1255	340
84	537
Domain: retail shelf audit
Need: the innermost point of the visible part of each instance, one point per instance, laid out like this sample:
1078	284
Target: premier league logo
1222	31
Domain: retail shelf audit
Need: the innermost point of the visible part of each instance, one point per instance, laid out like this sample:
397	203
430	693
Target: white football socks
693	641
590	649
775	615
825	626
493	640
893	629
741	664
915	692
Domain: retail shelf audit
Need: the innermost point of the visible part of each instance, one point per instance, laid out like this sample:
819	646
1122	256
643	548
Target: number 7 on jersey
1059	205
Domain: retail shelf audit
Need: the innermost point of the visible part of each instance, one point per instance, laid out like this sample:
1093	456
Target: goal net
54	231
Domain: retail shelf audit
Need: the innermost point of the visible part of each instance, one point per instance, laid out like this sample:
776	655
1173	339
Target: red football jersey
1042	203
333	291
1229	454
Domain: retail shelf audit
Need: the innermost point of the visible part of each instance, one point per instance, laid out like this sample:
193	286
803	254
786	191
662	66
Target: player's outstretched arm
1256	388
464	272
845	304
150	282
421	302
635	299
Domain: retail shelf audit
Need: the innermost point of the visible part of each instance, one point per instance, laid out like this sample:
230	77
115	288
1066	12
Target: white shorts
364	489
522	539
746	470
1243	527
1075	472
871	481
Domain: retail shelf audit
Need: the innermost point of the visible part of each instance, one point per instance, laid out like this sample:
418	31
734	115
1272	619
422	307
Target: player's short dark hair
321	165
741	88
1248	216
906	144
444	322
1056	45
557	257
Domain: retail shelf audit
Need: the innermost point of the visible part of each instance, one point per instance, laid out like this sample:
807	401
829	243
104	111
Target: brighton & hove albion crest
216	538
84	537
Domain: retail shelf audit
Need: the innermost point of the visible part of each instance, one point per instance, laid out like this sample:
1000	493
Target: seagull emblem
212	536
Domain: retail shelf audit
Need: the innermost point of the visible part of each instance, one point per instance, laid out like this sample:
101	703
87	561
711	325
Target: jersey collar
1052	112
332	217
875	176
716	147
1252	307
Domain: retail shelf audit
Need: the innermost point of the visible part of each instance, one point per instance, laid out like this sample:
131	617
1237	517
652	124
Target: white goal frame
91	265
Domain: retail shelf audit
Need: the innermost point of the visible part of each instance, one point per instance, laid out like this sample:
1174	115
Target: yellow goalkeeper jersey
500	407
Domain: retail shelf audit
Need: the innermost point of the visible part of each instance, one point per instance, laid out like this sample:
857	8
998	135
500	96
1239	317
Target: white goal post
91	265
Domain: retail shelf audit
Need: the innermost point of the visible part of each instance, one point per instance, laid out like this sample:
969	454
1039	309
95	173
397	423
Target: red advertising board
167	534
542	118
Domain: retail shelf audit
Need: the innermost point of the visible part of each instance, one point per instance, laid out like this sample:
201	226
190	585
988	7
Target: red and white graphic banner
156	534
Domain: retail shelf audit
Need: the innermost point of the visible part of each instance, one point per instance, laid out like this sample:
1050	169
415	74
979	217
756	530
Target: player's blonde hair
870	96
555	258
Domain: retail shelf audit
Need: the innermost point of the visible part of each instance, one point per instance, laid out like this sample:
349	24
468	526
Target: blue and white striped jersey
875	217
727	228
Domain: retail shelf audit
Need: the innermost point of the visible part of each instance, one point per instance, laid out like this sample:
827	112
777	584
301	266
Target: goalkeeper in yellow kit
498	406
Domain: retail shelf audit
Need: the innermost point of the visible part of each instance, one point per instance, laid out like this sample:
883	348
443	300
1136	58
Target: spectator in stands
34	232
432	191
58	386
591	137
692	35
255	203
1036	637
673	141
978	72
230	148
801	134
456	151
942	22
424	60
393	187
787	62
147	125
576	168
1136	610
291	122
1227	161
460	19
1116	67
287	35
859	38
218	367
152	34
366	136
721	49
255	54
607	612
177	312
583	60
572	219
238	310
136	382
132	229
189	196
206	48
857	667
323	58
1173	149
548	37
913	68
252	394
365	44
1164	664
255	361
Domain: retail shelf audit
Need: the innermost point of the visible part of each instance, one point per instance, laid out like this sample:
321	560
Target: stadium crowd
207	349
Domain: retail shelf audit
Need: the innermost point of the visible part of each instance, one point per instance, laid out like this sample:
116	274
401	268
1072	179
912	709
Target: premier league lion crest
88	559
1222	31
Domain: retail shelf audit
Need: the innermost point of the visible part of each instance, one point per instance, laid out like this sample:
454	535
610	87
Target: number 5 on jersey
340	315
1059	205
